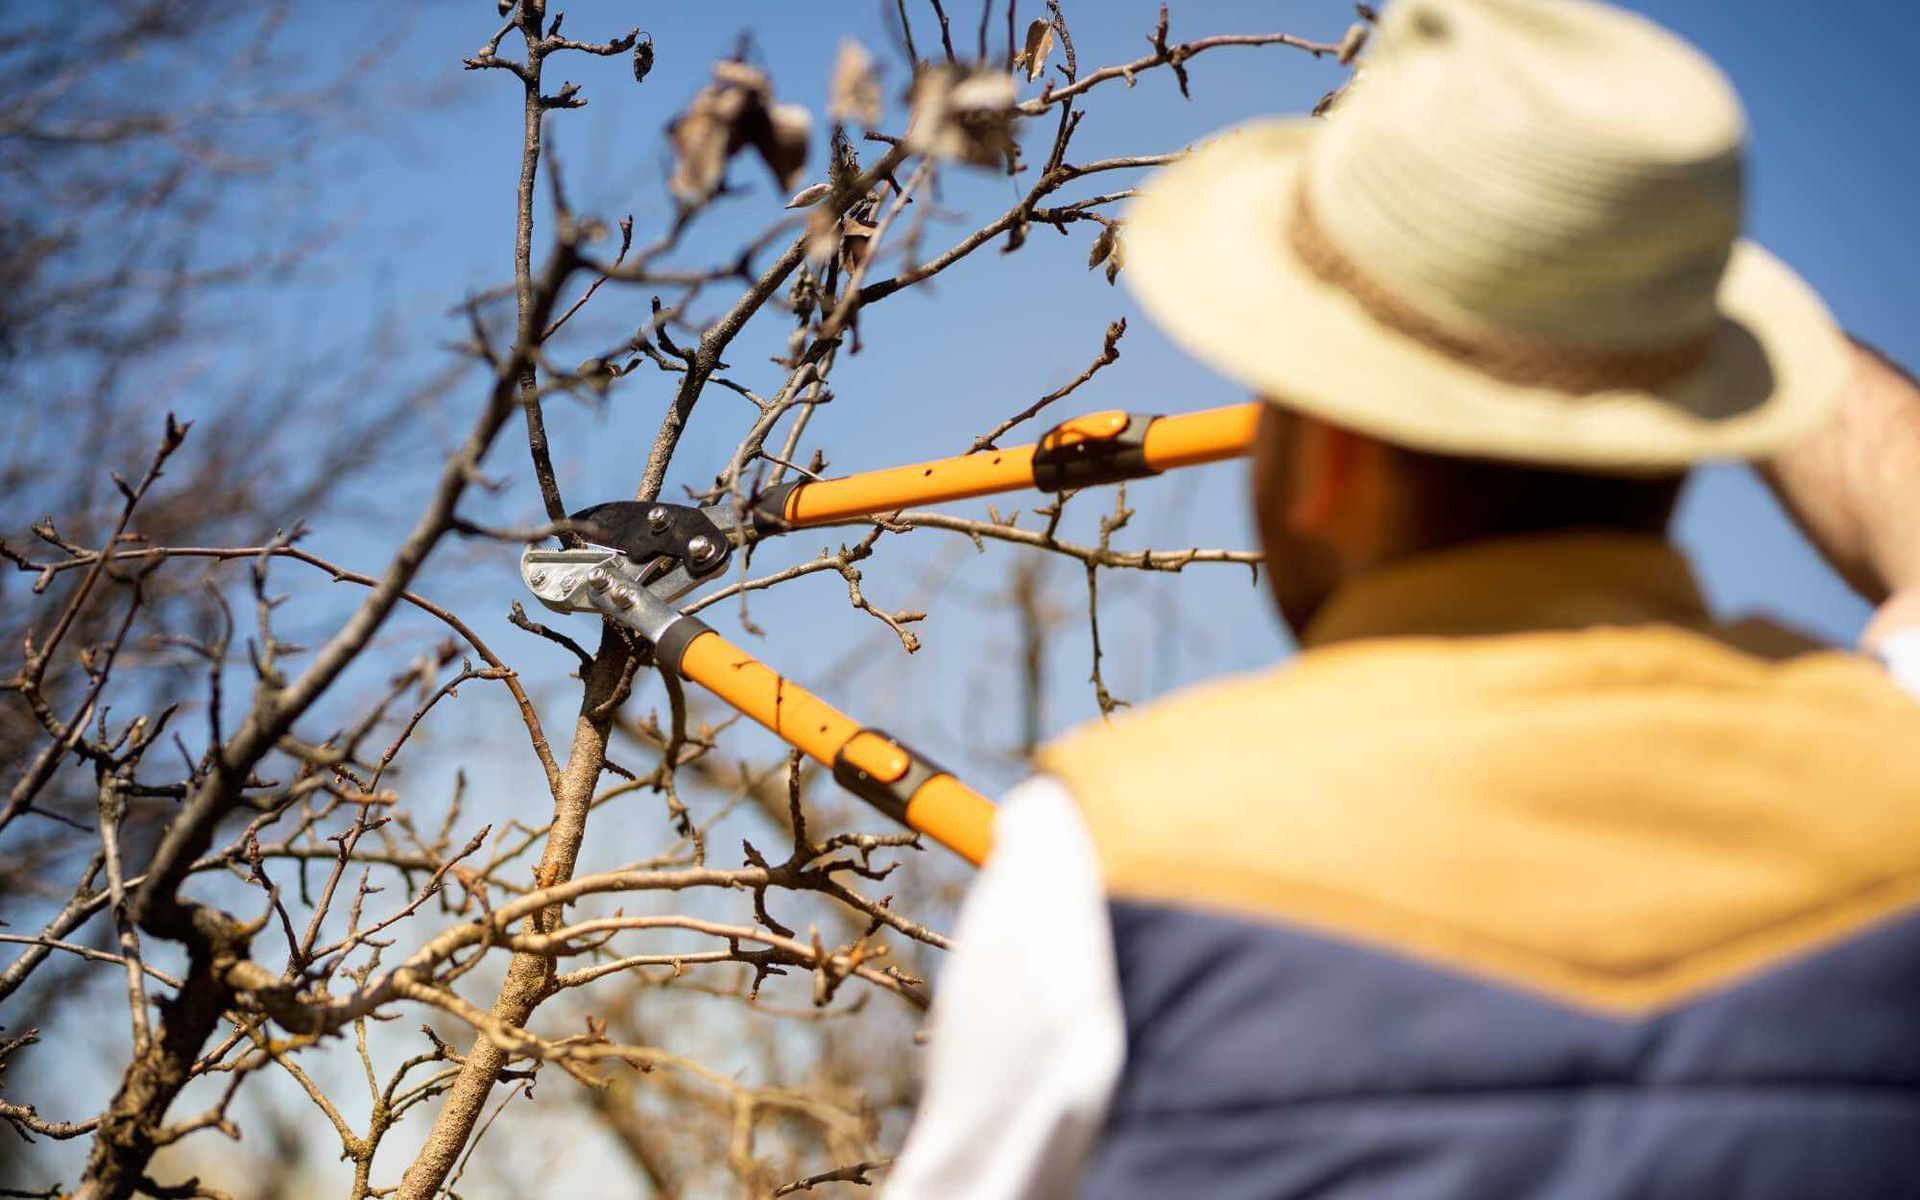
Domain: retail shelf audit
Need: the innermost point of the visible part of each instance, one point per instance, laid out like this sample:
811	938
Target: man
1526	877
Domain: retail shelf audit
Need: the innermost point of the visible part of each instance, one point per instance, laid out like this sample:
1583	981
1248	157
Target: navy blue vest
1609	914
1264	1062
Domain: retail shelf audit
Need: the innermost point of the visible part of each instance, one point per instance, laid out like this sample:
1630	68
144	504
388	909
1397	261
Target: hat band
1510	357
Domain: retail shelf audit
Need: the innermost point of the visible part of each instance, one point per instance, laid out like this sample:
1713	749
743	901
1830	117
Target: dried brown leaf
1039	45
785	147
963	114
1101	248
857	228
733	112
853	94
700	139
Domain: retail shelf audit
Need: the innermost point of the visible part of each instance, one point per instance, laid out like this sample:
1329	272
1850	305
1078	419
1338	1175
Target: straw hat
1517	238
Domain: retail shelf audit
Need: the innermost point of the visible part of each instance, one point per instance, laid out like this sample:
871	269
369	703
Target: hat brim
1207	252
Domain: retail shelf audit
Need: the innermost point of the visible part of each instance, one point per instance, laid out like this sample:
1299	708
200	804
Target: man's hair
1460	499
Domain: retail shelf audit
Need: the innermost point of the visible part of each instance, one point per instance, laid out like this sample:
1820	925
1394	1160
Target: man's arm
1028	1037
1854	488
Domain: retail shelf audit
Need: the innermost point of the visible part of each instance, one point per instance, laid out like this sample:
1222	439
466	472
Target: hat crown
1554	169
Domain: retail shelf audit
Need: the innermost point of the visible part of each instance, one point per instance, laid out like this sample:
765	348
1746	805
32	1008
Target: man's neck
1504	585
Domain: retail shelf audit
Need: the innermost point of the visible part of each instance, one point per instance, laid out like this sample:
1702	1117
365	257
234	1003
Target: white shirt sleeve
1028	1037
1901	652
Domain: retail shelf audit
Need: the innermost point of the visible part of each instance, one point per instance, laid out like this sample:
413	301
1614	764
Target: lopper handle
1182	440
941	807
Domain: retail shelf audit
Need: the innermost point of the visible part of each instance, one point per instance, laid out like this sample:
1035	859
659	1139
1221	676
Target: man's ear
1327	464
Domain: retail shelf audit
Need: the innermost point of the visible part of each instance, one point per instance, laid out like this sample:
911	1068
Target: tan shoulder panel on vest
1619	817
